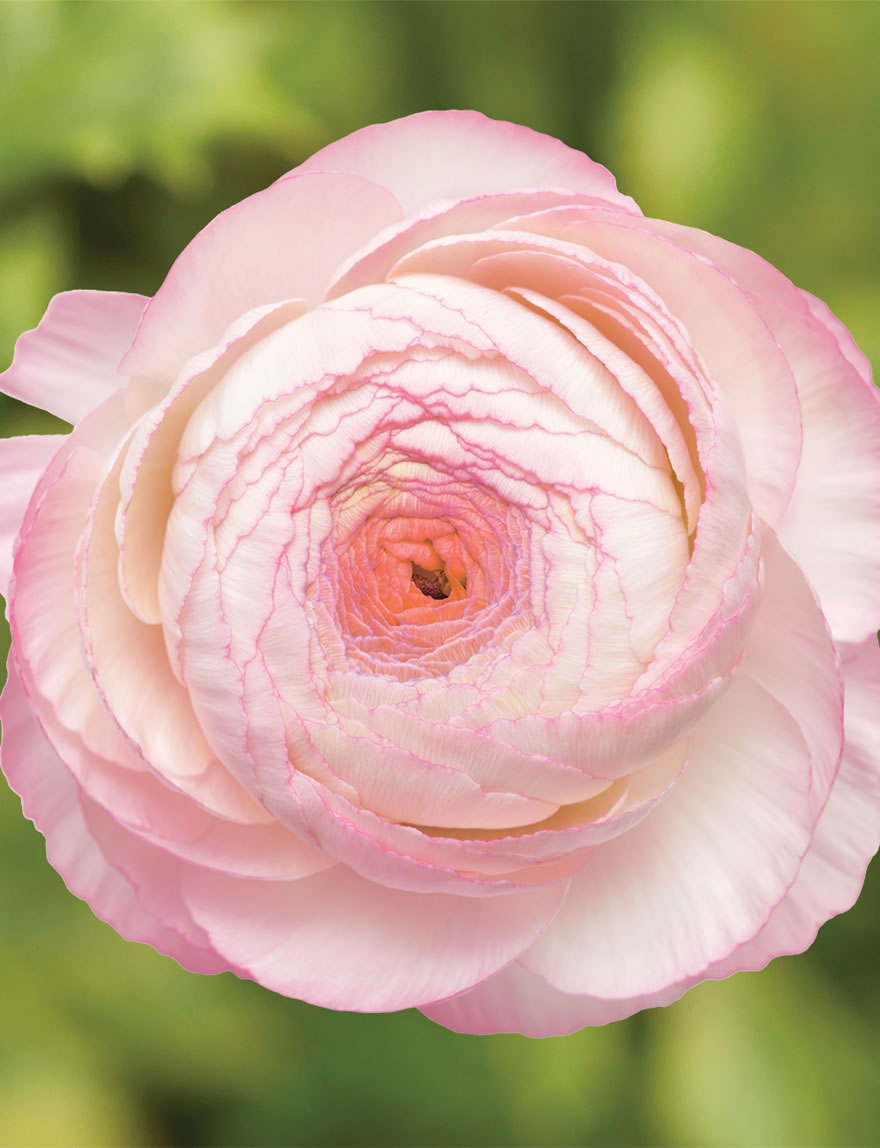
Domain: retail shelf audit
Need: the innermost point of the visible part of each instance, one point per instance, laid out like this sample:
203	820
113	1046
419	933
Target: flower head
457	591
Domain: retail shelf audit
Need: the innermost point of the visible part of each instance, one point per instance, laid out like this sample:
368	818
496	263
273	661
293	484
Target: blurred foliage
125	128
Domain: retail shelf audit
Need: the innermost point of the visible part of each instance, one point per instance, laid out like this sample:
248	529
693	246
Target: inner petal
419	575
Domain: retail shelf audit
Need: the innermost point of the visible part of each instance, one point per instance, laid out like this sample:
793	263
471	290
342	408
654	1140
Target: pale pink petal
652	392
145	480
342	942
130	671
455	154
76	722
399	857
480	863
402	786
50	647
464	217
251	739
650	552
847	835
832	525
702	874
282	243
173	821
608	743
497	765
727	330
69	363
53	801
516	1000
833	870
534	355
662	389
42	613
724	518
22	461
793	657
845	342
323	347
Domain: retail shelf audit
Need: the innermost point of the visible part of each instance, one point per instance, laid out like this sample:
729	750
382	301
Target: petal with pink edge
53	801
453	154
462	217
727	329
846	836
282	243
702	874
832	524
22	461
516	1000
69	363
342	942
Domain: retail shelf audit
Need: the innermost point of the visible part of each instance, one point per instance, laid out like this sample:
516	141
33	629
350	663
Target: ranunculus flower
457	591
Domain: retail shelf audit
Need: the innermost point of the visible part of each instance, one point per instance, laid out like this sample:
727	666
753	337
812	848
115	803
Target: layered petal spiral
457	591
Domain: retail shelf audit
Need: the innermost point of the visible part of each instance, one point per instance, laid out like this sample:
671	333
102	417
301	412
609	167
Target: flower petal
481	863
281	243
832	524
373	262
454	154
22	461
340	941
516	1000
702	874
145	479
846	836
49	646
53	801
69	363
728	331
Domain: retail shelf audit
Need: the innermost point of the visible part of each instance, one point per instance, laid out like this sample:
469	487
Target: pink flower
457	591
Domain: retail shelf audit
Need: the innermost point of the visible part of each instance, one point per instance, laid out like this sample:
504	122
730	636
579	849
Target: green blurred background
124	128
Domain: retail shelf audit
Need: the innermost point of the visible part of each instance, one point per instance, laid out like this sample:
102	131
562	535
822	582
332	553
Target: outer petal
340	941
847	835
22	461
454	154
727	329
702	873
54	802
516	1000
42	607
829	881
832	524
840	474
281	243
333	939
701	876
43	616
68	364
175	823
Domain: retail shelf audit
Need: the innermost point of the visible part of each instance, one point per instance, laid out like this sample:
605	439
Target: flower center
432	583
434	565
418	575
